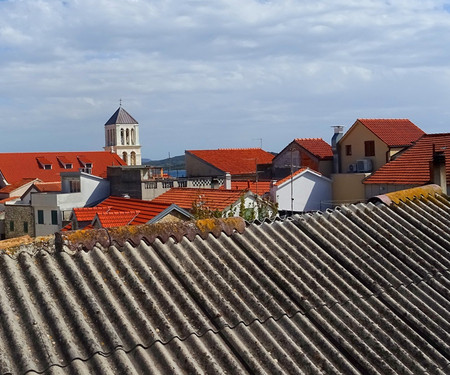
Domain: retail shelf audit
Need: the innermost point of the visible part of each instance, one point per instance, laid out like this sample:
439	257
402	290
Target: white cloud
204	74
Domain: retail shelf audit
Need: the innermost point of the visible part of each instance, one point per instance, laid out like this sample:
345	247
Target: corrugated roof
17	166
362	289
412	167
394	132
213	199
236	161
121	117
316	146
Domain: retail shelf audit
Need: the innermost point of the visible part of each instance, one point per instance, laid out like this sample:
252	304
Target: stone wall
15	218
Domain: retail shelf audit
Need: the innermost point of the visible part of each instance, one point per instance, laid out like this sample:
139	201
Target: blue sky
222	73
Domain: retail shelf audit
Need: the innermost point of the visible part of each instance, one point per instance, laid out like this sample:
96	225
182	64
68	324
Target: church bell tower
122	137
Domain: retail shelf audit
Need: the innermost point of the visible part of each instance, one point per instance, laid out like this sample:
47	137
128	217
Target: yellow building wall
348	188
356	137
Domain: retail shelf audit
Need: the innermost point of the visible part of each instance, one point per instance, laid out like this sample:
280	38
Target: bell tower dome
122	137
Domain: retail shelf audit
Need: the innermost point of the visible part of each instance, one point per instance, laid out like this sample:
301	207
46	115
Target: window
348	150
47	166
25	226
11	226
369	148
40	217
54	217
74	186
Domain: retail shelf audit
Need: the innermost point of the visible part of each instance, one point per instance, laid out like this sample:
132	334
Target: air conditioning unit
364	165
352	168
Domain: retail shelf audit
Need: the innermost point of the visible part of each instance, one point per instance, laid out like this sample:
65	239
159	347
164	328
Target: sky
217	73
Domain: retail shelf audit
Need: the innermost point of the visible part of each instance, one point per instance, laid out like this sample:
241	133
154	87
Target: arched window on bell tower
122	137
133	158
124	157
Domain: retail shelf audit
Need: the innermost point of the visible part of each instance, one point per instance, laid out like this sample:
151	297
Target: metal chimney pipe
338	134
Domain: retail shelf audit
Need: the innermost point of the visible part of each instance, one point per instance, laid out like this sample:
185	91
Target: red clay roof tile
236	161
287	178
213	199
48	186
394	132
10	188
16	166
88	213
147	209
116	218
316	146
260	187
412	167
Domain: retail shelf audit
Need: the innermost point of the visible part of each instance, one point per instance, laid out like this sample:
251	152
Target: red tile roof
316	146
234	160
214	199
147	209
88	213
116	218
16	185
259	187
394	132
8	199
48	186
287	178
17	166
413	166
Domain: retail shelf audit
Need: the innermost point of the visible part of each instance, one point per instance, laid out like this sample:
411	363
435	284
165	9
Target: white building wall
310	192
93	189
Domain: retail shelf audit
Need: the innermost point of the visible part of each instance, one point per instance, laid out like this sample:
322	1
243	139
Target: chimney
338	133
438	172
227	181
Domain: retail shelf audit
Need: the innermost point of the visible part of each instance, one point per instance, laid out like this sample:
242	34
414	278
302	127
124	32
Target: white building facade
52	210
305	190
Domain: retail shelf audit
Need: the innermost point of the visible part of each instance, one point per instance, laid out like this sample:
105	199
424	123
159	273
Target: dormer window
64	162
44	163
86	164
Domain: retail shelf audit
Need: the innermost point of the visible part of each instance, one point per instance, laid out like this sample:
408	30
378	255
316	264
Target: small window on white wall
74	186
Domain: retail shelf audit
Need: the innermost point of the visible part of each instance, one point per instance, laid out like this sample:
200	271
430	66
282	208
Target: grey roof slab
362	289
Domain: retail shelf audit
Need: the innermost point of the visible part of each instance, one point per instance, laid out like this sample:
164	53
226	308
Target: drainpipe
338	133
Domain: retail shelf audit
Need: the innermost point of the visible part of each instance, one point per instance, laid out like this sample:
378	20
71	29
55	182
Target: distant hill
175	162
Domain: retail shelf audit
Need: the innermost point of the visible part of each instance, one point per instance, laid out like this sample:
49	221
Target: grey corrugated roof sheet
363	289
121	117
